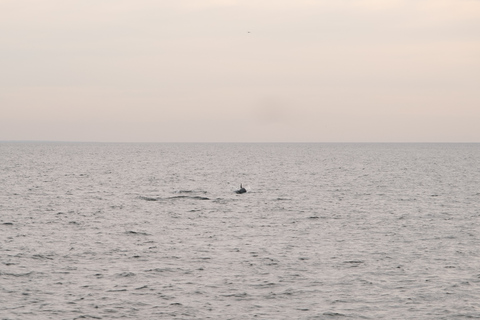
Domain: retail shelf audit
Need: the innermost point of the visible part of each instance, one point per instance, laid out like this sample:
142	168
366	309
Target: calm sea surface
155	231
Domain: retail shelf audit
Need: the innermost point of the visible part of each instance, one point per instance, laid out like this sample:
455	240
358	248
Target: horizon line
241	142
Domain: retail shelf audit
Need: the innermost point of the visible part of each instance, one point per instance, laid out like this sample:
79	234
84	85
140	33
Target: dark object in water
241	190
175	197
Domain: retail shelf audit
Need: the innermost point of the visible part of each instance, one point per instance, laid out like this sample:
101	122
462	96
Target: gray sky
240	71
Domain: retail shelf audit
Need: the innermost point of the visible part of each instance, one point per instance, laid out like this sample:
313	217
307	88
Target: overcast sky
240	71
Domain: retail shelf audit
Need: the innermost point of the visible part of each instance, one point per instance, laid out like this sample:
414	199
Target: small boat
241	190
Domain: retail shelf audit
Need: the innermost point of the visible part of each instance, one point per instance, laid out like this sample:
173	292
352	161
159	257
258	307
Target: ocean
156	231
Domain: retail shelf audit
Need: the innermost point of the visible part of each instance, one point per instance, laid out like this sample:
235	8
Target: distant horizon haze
240	71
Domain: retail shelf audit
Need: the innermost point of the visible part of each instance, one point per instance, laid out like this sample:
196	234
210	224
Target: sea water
156	231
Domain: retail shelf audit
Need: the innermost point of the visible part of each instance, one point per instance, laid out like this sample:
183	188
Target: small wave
191	191
126	274
137	233
40	256
149	198
189	197
236	295
354	263
174	198
264	285
16	274
117	290
140	288
164	270
333	314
